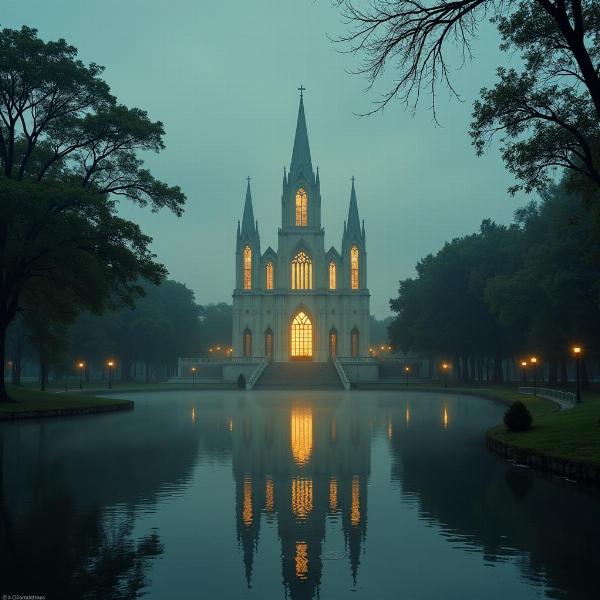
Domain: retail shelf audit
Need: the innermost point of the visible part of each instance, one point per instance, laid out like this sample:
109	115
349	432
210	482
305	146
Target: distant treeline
489	300
144	341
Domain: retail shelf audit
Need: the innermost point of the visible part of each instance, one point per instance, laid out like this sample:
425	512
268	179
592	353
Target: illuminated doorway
301	337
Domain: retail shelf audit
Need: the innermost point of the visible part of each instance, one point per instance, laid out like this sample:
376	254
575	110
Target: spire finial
352	179
301	89
248	179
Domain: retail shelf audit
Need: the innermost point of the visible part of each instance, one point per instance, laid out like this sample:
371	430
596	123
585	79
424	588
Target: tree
547	112
68	150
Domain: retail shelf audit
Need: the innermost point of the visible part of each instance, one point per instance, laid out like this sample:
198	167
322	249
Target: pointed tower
247	247
301	197
354	252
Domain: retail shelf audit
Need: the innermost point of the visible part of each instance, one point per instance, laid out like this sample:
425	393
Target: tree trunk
564	376
553	371
583	374
4	397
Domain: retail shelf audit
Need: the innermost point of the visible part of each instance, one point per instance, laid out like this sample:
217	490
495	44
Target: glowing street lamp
81	367
407	371
577	353
524	366
533	361
193	375
111	364
445	367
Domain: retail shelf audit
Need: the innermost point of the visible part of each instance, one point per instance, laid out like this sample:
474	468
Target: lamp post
193	375
110	368
81	366
577	353
407	371
524	365
445	371
533	361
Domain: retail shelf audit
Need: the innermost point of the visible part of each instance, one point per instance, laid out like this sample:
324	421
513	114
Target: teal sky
223	77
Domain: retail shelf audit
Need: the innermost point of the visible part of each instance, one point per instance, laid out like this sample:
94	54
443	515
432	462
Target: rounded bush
518	417
241	382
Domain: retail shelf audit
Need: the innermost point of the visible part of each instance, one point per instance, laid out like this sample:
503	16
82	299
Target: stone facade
301	301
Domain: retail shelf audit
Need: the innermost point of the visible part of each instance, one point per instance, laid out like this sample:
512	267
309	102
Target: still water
268	495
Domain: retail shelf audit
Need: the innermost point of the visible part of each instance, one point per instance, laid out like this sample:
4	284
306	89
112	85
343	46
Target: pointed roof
353	227
301	153
248	218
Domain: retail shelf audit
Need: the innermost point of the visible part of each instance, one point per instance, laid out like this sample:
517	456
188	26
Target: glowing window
247	343
332	285
302	337
355	505
301	272
301	208
302	497
301	438
269	275
247	512
247	268
354	268
354	343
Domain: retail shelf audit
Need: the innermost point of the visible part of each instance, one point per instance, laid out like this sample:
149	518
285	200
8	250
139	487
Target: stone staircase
299	376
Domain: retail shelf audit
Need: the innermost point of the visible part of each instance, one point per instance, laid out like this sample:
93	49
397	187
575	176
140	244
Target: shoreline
67	411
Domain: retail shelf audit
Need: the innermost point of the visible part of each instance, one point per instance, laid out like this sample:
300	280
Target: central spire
301	162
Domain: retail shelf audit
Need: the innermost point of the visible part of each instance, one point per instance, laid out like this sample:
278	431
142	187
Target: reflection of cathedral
300	464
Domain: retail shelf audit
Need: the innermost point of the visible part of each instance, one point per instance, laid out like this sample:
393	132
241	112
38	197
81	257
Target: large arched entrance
301	336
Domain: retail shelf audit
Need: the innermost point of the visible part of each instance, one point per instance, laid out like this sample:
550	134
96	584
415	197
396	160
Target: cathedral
301	302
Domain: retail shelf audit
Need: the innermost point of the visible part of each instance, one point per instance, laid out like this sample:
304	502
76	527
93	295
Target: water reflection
93	502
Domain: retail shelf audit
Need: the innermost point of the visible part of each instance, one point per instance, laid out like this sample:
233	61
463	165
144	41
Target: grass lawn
27	400
571	434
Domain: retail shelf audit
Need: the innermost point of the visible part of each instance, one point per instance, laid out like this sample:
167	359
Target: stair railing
341	373
254	377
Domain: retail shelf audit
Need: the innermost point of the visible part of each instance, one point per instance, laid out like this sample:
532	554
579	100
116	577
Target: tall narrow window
333	343
301	336
354	268
247	268
269	343
301	272
301	208
354	343
332	282
247	343
269	275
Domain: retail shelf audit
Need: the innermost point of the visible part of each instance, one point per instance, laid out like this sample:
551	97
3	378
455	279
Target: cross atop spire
301	89
248	179
352	179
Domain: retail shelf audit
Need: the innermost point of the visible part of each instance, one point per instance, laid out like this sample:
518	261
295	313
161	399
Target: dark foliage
518	417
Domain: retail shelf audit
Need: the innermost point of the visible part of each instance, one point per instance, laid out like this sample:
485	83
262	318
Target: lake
268	495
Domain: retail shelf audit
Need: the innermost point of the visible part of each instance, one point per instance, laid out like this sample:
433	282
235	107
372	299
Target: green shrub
241	382
518	417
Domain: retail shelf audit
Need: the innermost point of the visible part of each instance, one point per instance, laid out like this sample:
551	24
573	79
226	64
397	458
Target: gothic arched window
354	343
301	272
354	268
247	343
247	268
301	208
269	275
332	273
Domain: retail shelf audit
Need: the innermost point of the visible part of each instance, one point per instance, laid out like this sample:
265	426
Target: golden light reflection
389	429
301	560
445	418
247	513
302	497
333	431
407	415
301	434
230	424
333	491
193	414
269	496
355	506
